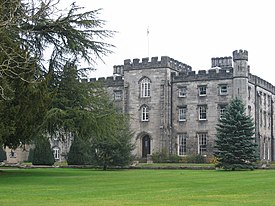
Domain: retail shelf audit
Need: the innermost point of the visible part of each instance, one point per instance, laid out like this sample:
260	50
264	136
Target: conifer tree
235	145
42	153
80	153
3	155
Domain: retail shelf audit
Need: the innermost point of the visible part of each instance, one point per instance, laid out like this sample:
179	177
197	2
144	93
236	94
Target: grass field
56	186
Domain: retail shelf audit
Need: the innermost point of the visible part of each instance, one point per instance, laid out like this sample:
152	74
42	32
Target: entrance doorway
146	146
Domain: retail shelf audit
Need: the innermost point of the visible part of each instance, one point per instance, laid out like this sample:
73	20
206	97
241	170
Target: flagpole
148	48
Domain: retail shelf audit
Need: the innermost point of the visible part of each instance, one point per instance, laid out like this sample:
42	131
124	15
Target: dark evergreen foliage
115	149
80	153
28	80
235	145
3	155
42	153
30	157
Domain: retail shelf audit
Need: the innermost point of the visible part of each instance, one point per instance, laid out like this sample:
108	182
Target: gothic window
202	143
202	90
264	99
181	144
118	95
182	114
182	91
145	86
56	153
249	93
223	89
144	113
202	112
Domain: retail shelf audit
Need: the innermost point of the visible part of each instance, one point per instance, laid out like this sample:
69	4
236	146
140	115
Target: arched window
145	87
144	113
56	153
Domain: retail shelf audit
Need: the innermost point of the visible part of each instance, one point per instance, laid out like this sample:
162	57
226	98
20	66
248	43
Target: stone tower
240	75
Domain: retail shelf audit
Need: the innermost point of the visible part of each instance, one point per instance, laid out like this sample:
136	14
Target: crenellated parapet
211	74
222	62
113	81
255	80
164	62
240	55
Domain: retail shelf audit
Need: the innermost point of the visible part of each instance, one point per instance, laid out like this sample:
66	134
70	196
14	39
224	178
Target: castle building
175	109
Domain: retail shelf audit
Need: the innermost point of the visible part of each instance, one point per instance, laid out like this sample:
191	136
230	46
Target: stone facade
175	109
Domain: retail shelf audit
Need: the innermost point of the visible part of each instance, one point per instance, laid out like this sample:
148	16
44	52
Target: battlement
108	81
261	82
223	62
112	81
240	55
164	62
211	74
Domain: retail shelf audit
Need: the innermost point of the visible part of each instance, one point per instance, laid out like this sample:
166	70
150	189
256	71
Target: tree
80	153
29	30
42	153
114	148
235	143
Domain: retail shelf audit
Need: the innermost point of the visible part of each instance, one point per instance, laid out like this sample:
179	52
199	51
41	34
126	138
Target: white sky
190	31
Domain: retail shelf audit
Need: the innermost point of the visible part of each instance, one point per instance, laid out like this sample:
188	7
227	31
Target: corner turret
240	74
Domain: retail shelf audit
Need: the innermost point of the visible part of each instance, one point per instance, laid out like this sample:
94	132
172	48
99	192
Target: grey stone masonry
180	108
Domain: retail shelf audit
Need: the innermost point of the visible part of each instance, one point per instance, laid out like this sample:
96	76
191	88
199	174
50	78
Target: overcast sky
190	31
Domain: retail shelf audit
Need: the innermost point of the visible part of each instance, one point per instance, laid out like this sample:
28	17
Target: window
223	89
264	119
202	90
261	118
144	114
249	110
56	153
145	87
202	112
118	95
182	91
181	144
13	154
202	143
182	114
269	119
222	111
249	93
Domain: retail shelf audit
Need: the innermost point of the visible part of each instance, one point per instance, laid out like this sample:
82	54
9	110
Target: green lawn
136	187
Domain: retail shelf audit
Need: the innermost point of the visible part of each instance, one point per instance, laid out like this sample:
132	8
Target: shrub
3	155
159	157
30	157
195	159
163	157
42	153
